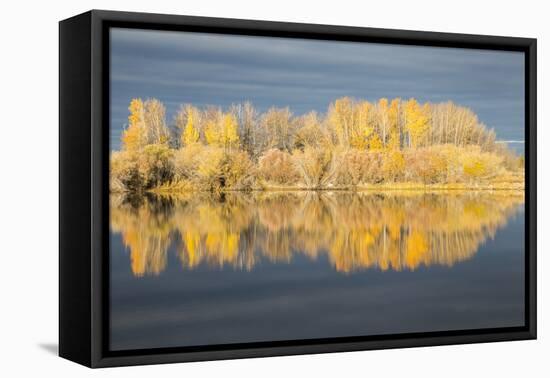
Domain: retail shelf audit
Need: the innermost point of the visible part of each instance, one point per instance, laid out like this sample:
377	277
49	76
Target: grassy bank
187	187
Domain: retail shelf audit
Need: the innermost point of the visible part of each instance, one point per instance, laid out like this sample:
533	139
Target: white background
29	186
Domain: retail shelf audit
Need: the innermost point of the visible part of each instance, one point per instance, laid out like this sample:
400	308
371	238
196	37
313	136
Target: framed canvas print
234	188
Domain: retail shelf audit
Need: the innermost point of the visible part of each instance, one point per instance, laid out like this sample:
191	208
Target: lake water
233	268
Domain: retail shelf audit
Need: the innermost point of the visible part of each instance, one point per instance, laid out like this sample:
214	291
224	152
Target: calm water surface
235	268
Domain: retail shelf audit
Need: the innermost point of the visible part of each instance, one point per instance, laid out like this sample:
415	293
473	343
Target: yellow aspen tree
367	132
416	123
362	128
190	134
230	137
212	133
134	137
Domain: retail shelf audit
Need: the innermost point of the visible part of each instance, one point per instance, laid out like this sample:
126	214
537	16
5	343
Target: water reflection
356	231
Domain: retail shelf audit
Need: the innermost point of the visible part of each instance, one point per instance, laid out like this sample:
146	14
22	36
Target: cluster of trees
356	230
355	143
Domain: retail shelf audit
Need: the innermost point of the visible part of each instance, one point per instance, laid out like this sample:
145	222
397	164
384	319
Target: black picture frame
83	182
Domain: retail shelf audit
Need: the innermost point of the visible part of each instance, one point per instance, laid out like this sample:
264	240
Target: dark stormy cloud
204	69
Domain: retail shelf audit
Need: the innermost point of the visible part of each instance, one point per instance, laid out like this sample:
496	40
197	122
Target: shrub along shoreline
204	169
356	146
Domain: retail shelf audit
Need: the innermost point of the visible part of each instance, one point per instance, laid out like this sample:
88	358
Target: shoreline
388	187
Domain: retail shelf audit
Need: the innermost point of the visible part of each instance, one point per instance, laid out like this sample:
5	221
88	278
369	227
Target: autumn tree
154	117
190	132
363	125
356	142
134	138
353	123
222	132
251	136
395	120
146	125
310	132
230	138
458	125
340	118
278	126
188	125
416	123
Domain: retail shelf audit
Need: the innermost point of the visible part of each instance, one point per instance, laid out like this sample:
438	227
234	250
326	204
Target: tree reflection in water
357	231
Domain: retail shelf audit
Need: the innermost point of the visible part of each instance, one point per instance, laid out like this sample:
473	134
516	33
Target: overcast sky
214	69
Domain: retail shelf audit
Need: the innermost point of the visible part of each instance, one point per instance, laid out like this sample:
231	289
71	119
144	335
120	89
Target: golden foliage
222	133
480	165
134	137
375	144
146	125
356	143
190	134
416	122
394	165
